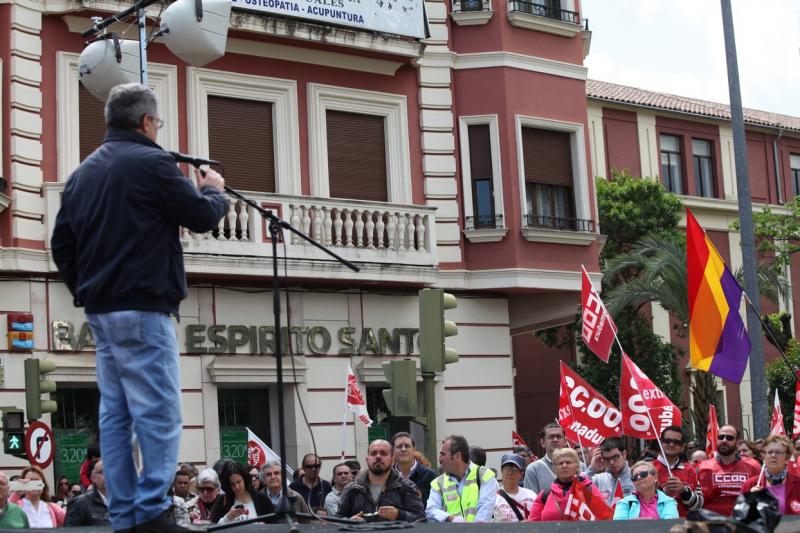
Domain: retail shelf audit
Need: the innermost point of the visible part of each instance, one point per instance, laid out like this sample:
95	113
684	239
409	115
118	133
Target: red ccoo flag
776	422
641	403
586	416
355	400
712	433
516	440
597	329
796	426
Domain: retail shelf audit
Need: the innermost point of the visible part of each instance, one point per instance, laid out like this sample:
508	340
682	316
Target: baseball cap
513	459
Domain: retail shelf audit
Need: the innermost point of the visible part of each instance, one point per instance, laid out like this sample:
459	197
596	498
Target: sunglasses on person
64	483
671	442
310	467
730	438
641	475
206	489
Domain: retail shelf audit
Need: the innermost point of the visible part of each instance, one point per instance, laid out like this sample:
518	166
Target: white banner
400	17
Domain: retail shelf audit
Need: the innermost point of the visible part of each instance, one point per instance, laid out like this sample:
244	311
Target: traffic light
401	396
433	328
35	387
14	432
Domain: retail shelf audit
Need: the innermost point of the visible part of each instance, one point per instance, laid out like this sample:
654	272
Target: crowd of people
398	483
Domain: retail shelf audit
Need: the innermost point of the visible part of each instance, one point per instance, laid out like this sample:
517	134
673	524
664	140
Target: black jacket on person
116	238
422	477
87	510
397	492
261	502
315	496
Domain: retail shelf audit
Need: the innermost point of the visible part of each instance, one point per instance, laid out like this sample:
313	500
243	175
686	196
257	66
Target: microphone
194	161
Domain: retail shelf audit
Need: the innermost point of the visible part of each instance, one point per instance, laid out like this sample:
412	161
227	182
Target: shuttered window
547	157
240	136
480	166
356	156
91	120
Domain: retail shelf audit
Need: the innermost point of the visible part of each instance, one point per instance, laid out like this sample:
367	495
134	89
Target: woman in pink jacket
571	497
40	511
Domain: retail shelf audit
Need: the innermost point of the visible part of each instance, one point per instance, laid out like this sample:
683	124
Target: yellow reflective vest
465	504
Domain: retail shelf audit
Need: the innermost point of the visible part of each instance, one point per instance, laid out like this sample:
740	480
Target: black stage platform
790	524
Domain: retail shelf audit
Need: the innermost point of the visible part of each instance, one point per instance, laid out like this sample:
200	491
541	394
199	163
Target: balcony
391	242
471	12
558	230
544	16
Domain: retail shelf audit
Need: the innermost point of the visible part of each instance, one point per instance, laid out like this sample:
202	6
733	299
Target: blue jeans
139	380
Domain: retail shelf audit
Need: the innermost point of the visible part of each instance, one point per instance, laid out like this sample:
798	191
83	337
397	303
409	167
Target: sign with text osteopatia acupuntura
400	17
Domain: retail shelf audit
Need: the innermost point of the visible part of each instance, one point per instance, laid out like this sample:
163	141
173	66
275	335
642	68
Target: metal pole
140	15
758	379
431	444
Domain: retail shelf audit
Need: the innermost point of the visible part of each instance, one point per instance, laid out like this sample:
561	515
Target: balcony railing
534	8
392	235
484	222
463	6
559	223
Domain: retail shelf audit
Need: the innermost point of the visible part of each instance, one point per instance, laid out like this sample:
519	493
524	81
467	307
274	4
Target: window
671	163
548	178
92	123
271	101
703	171
240	136
356	156
480	162
239	409
391	109
794	163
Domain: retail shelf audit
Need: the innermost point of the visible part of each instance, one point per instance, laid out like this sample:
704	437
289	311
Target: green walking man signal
14	432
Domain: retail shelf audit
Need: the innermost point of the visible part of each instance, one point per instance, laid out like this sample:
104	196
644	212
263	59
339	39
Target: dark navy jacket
116	239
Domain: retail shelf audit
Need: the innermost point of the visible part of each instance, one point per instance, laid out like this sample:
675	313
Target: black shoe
165	523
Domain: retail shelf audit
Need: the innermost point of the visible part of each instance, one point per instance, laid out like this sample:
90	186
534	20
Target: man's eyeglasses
206	489
159	122
729	438
641	475
671	442
774	452
312	467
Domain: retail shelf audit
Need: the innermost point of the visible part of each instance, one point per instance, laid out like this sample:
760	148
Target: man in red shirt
722	476
682	484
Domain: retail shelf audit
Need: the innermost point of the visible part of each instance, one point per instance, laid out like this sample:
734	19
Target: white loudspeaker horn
104	65
196	30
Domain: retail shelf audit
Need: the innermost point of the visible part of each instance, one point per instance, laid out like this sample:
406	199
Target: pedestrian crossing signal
14	432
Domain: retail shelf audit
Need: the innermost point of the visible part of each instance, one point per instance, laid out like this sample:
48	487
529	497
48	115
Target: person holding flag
647	501
676	477
783	482
571	497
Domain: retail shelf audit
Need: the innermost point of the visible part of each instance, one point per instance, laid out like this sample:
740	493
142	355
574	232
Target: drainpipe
777	165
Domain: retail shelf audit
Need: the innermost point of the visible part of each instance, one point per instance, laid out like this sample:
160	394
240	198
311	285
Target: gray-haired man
116	244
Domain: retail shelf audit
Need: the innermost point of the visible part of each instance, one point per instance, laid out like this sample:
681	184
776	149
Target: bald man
379	492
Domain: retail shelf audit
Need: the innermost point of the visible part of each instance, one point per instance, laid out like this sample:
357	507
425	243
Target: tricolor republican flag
776	422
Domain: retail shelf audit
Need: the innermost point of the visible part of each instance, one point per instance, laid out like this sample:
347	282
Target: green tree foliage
780	377
630	208
777	234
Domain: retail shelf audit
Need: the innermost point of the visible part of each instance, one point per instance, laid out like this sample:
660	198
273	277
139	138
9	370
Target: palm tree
654	271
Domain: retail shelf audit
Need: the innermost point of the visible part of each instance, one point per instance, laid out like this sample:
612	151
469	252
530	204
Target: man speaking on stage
116	244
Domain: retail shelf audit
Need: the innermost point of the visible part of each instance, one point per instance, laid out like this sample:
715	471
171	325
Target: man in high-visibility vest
465	492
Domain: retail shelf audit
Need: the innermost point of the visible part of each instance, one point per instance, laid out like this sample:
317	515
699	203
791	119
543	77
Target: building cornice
514	278
520	61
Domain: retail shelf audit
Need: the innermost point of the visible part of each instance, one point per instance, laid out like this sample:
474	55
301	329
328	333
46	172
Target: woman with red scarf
571	497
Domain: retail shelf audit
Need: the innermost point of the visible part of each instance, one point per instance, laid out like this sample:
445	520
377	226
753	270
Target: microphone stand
284	509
